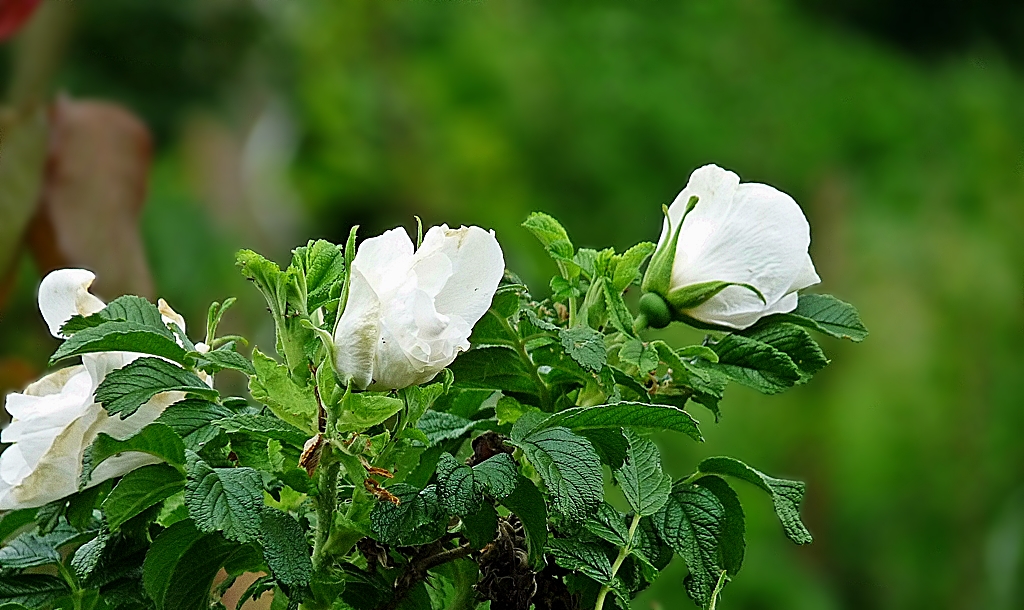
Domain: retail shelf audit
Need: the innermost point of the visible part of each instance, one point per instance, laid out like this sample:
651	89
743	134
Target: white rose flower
56	418
410	313
729	254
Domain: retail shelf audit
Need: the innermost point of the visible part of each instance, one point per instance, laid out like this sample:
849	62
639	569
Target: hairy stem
623	554
326	503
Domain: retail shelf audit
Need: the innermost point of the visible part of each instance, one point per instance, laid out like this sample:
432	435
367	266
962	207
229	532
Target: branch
418	567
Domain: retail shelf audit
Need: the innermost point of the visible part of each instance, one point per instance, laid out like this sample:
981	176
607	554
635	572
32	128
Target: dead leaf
93	192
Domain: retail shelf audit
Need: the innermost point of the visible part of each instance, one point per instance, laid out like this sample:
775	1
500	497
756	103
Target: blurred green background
899	128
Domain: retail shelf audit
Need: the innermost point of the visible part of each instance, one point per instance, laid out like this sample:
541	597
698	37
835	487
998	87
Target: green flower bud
655	310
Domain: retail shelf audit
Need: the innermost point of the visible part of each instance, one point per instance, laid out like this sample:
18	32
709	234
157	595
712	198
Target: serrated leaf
495	368
361	412
755	364
608	525
128	308
31	590
827	314
123	391
419	399
121	336
569	467
796	343
555	240
583	557
263	427
273	386
139	490
228	500
627	265
29	550
732	533
639	354
180	566
528	504
641	478
461	488
439	426
155	439
690	522
624	414
322	264
284	546
786	495
192	420
584	345
220	359
618	314
609	444
416	519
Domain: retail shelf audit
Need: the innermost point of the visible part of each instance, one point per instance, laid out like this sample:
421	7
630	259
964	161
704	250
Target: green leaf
362	411
419	399
586	346
192	419
618	314
127	308
555	240
439	426
755	364
627	265
285	548
14	520
180	566
826	314
417	519
155	439
786	495
322	264
625	414
644	484
528	504
29	550
461	488
583	557
224	358
139	490
608	525
263	427
497	368
732	535
481	525
273	386
796	343
31	590
690	522
569	467
637	353
123	391
120	336
609	444
224	499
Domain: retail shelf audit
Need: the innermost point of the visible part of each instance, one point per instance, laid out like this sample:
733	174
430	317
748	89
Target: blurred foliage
911	172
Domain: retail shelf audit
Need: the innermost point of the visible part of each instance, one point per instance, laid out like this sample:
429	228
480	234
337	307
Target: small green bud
654	308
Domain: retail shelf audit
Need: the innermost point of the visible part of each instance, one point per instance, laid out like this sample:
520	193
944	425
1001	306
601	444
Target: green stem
520	346
326	503
623	554
722	579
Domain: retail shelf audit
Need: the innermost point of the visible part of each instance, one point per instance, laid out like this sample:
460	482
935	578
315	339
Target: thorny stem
623	554
520	346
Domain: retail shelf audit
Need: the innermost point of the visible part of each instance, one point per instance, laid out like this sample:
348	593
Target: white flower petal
170	316
357	332
750	234
64	293
477	266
